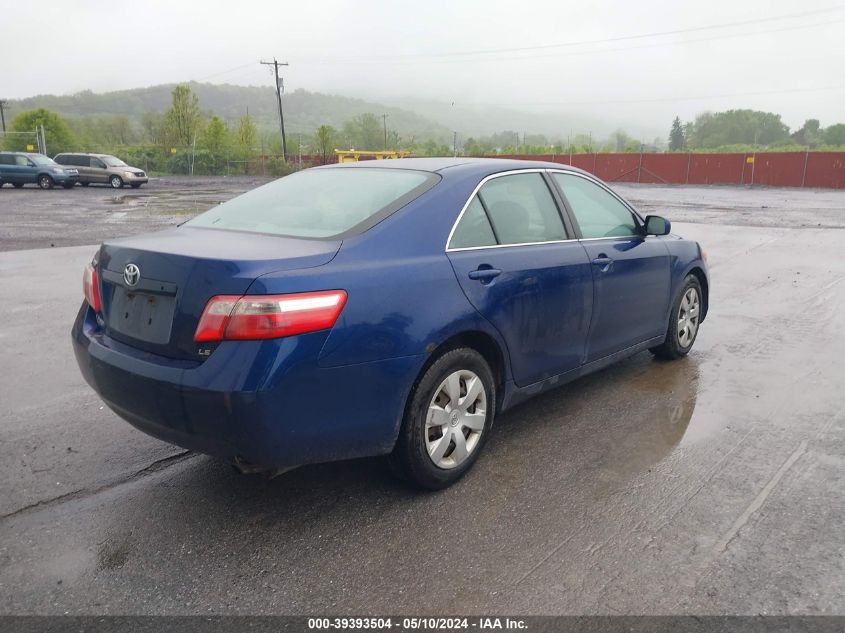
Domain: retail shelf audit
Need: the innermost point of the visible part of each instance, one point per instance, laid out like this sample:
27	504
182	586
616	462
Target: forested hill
304	111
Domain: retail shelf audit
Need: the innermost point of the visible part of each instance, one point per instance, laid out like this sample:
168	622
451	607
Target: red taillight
91	288
251	317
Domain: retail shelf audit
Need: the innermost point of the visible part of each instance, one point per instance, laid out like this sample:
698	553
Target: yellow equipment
354	155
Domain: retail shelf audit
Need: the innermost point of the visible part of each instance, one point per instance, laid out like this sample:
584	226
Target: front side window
319	203
111	161
22	161
599	214
38	159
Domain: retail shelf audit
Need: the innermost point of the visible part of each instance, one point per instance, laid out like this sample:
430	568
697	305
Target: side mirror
656	225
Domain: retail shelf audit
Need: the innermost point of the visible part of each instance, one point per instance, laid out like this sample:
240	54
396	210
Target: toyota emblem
131	275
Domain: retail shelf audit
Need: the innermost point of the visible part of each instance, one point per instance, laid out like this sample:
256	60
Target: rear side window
7	159
521	209
80	161
598	212
320	203
474	229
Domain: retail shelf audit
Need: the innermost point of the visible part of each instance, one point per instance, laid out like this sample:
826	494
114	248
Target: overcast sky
608	59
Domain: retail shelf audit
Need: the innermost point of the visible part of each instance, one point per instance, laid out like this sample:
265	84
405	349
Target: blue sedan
380	308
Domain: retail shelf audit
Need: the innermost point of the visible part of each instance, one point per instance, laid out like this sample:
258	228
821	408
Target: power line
225	72
520	49
279	86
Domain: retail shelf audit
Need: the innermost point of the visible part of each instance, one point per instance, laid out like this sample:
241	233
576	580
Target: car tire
45	181
84	184
68	185
17	185
684	321
427	454
116	182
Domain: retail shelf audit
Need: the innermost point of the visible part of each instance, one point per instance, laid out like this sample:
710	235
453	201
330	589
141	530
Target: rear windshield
319	203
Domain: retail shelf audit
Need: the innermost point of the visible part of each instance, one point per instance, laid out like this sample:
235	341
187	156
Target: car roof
80	154
478	165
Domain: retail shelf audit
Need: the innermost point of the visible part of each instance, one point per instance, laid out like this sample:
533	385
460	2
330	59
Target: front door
521	271
631	272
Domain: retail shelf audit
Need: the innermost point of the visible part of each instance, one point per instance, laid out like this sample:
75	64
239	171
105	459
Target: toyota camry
380	308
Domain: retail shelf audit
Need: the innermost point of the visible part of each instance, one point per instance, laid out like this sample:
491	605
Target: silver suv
104	169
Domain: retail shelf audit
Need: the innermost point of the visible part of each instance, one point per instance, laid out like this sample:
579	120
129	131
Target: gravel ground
33	218
711	485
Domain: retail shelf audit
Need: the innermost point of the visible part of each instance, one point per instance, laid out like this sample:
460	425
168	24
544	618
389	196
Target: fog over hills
305	111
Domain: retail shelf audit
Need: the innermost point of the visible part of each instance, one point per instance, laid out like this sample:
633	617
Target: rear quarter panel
403	297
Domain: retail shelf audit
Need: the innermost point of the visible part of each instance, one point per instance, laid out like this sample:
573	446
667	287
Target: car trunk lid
155	286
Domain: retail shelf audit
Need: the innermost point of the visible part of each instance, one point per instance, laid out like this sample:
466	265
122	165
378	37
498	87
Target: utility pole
384	120
279	88
454	144
3	114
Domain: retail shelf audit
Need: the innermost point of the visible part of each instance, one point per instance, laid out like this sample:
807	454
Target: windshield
319	203
111	161
38	159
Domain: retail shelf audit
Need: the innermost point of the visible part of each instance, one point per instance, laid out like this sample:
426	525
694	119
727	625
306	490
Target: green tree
810	134
835	134
216	141
183	119
364	132
153	128
56	132
246	136
714	129
324	142
677	140
619	141
215	137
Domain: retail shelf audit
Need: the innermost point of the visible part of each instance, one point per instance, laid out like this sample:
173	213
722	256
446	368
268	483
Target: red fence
773	169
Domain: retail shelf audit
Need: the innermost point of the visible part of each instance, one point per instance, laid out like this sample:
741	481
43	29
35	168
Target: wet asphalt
710	485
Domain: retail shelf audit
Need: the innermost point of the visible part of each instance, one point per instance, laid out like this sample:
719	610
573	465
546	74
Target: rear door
83	164
631	272
521	270
7	171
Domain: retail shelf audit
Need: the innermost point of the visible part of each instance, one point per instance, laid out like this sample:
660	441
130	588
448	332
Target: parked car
21	168
103	169
390	307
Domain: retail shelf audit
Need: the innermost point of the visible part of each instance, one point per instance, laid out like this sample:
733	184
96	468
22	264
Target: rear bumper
266	402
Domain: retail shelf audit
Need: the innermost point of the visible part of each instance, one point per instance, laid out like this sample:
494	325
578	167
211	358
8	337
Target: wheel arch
699	274
477	340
